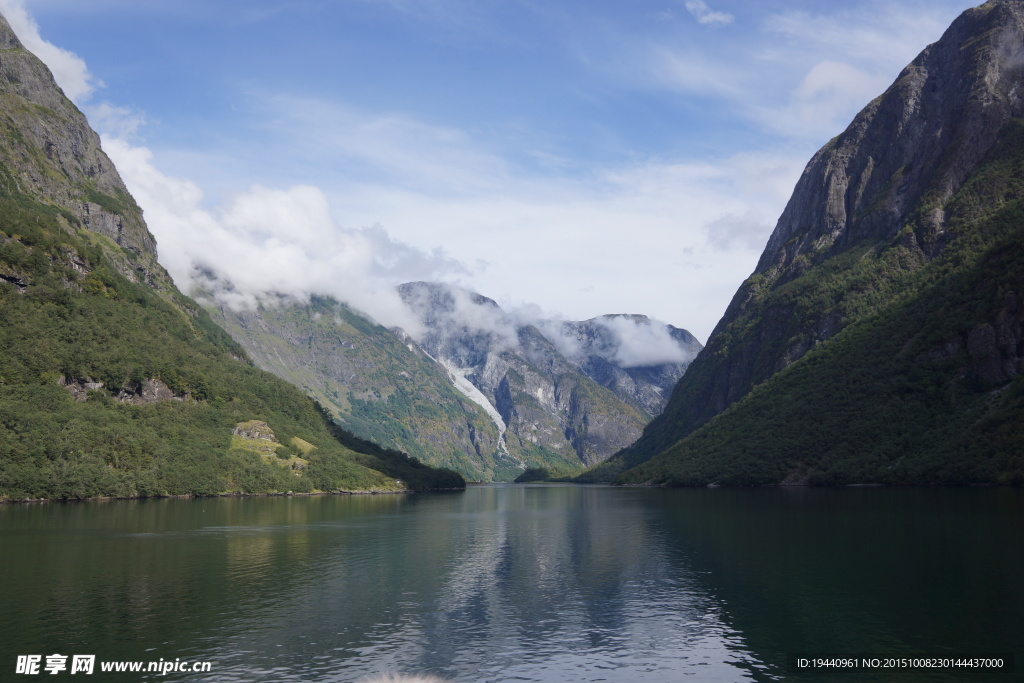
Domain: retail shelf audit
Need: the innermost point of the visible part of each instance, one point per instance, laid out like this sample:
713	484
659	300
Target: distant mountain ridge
900	250
557	385
645	378
479	390
544	396
376	384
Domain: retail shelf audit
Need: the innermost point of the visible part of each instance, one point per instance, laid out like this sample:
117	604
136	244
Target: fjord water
526	583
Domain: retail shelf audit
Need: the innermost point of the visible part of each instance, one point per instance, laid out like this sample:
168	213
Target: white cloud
612	236
883	37
825	101
624	340
69	70
748	230
705	15
689	71
268	243
117	122
855	55
390	146
643	342
454	312
624	239
801	76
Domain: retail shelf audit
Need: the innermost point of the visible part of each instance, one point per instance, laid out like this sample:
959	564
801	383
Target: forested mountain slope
375	384
112	383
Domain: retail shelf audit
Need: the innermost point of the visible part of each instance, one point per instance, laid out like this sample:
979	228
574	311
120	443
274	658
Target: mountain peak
440	298
913	145
8	39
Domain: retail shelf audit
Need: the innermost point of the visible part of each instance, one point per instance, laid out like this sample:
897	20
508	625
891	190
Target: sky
567	158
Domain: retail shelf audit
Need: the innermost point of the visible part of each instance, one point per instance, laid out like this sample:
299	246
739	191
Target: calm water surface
517	583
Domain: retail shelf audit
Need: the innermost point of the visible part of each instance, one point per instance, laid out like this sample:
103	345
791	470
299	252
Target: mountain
374	383
638	359
476	389
879	338
113	383
559	388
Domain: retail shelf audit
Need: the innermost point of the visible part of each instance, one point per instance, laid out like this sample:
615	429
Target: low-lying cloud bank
628	341
452	313
267	244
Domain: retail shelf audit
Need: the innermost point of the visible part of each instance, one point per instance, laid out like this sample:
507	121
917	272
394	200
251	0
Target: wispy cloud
616	238
800	75
688	70
747	230
390	146
705	15
114	121
824	101
625	341
885	37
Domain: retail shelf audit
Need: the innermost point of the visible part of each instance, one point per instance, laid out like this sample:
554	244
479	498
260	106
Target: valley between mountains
480	390
880	339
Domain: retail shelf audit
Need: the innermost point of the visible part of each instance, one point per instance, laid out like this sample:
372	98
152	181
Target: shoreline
97	499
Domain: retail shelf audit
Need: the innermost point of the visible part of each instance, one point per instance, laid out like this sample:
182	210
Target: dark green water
525	583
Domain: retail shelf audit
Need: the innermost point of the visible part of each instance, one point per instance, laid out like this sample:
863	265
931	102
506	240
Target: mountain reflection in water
532	583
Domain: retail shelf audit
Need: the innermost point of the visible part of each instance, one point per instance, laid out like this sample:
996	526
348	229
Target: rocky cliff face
49	152
577	391
883	211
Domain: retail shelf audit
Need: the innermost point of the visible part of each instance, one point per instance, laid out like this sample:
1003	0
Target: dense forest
69	319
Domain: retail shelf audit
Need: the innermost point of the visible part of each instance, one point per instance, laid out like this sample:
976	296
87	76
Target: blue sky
568	158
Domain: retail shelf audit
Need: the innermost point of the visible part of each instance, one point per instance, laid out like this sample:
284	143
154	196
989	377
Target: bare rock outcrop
49	151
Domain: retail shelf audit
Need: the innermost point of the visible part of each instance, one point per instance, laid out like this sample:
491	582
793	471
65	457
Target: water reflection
502	583
533	583
899	572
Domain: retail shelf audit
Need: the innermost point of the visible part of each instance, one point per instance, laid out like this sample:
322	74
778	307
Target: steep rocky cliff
908	215
50	153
